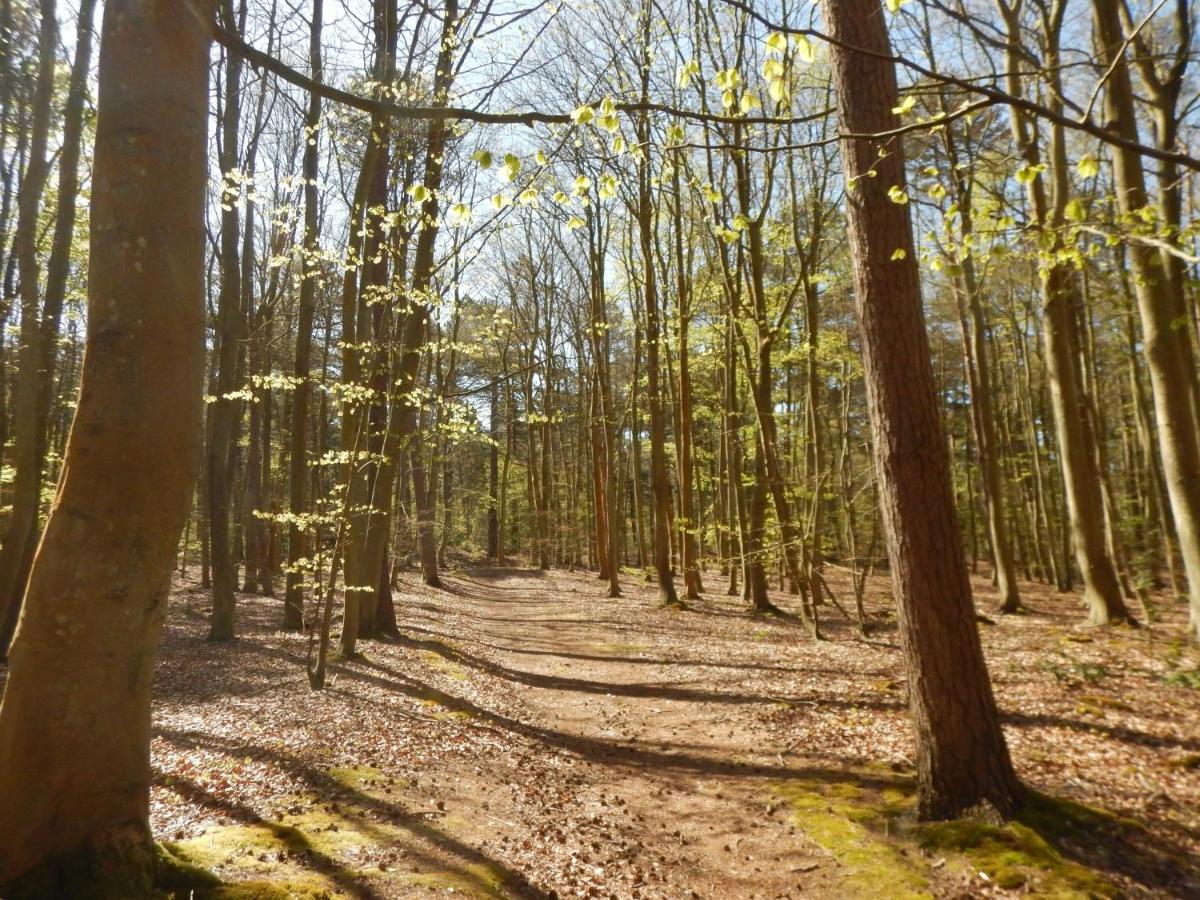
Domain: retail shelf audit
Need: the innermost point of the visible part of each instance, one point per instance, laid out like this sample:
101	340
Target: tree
293	610
1075	428
1157	279
962	758
20	538
75	718
659	483
35	383
222	411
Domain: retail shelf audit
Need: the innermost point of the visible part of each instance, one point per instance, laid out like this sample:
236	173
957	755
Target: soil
528	737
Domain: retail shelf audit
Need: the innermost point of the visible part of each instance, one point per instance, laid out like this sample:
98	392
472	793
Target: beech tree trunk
39	381
685	443
20	537
962	759
75	719
493	515
660	486
293	603
418	311
1160	301
222	409
1081	477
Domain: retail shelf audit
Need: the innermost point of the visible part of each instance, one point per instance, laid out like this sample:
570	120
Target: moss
1027	852
255	847
439	663
456	715
868	826
259	853
474	880
269	890
119	864
853	826
322	852
256	890
176	874
1099	700
356	776
443	714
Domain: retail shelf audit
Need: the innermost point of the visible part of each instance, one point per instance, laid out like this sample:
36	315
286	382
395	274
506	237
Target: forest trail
529	737
662	724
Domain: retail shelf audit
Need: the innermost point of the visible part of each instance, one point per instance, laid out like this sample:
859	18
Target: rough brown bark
75	719
962	758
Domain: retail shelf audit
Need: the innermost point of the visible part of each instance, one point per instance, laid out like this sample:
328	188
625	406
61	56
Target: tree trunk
293	603
962	758
57	270
1081	478
493	517
75	719
1160	299
659	482
221	409
685	444
20	538
978	352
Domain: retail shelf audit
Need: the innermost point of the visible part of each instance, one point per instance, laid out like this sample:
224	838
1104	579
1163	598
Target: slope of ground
530	738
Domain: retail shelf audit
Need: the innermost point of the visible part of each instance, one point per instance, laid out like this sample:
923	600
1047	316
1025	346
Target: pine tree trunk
962	758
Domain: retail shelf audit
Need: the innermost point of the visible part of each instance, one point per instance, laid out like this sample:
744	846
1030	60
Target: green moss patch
868	826
357	777
474	881
854	826
328	847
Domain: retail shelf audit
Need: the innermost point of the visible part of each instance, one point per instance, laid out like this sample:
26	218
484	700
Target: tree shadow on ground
629	689
637	757
643	660
296	842
442	851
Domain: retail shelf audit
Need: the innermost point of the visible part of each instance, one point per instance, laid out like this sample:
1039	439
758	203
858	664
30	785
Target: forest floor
529	737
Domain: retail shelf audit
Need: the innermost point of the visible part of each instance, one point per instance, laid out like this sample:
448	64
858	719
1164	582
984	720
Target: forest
599	448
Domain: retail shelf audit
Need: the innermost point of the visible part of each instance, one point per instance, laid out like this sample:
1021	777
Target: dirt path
528	737
663	730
